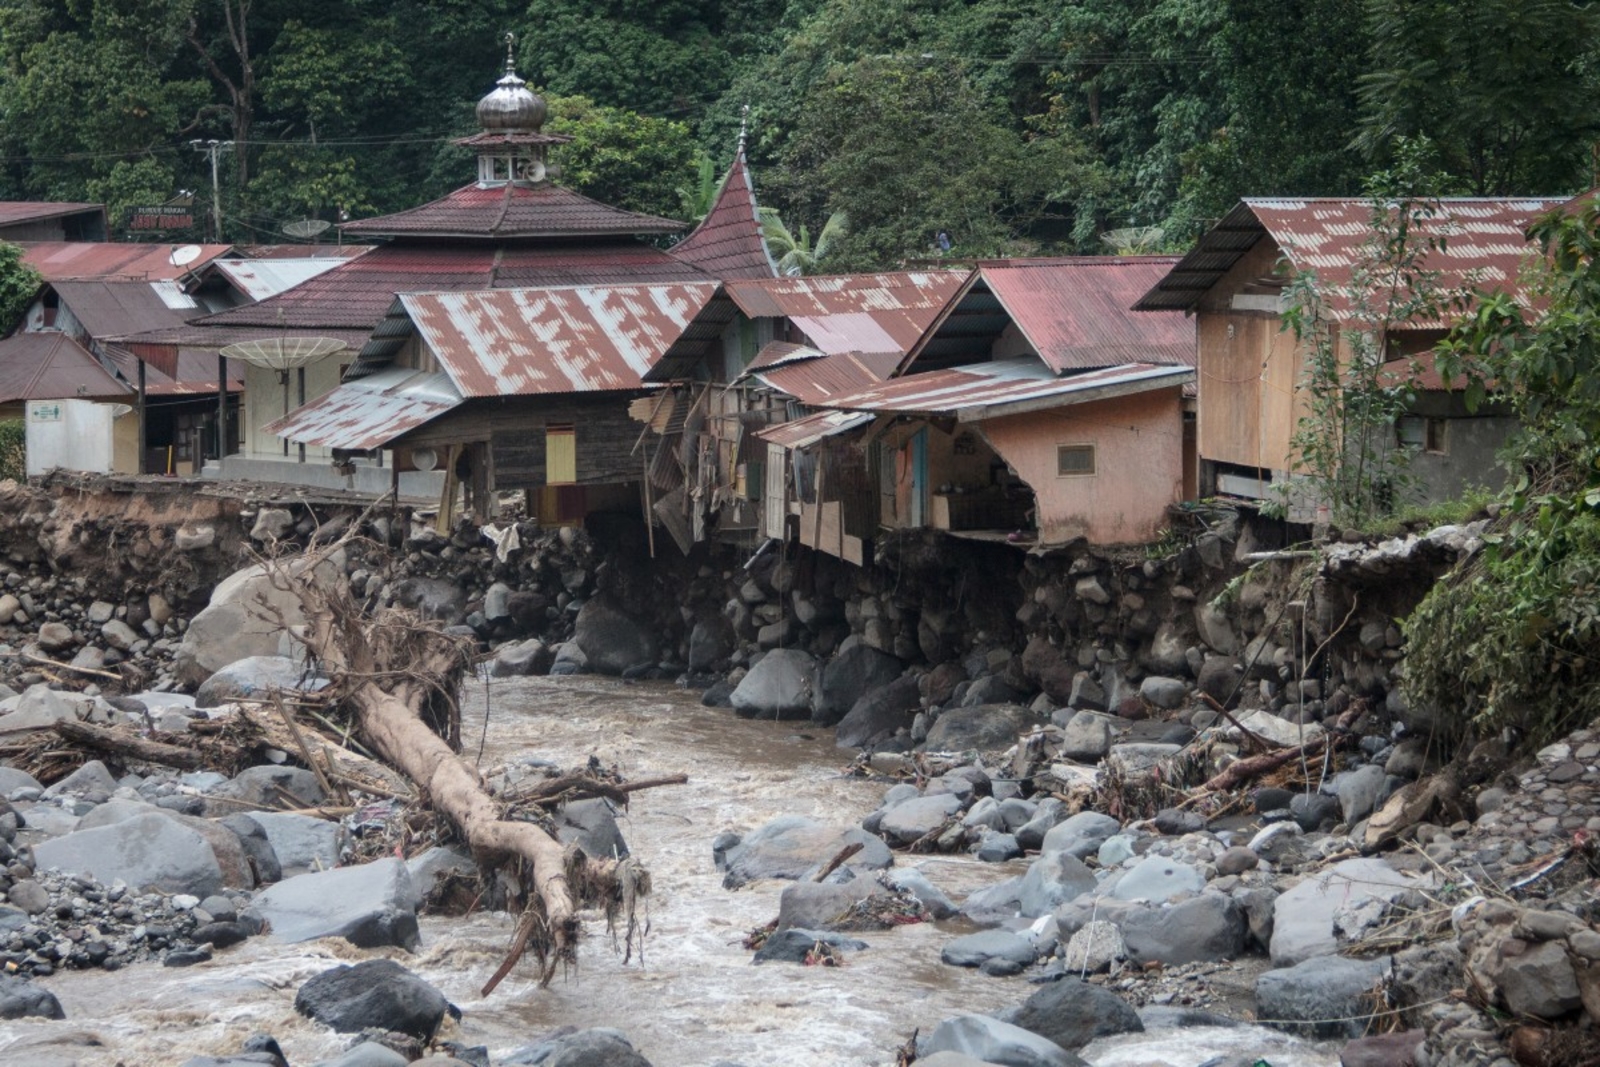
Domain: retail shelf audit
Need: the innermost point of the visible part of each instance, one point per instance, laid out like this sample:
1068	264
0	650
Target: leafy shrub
13	449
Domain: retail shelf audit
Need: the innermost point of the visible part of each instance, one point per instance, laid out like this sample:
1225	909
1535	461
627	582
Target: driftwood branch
131	746
580	786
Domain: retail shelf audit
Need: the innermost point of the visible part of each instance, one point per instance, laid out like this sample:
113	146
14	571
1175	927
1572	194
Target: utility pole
214	149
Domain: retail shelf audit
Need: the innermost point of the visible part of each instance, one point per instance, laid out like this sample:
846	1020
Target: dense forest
1012	126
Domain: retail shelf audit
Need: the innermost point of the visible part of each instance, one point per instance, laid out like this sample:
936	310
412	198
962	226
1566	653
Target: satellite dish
184	255
305	229
424	459
284	353
119	410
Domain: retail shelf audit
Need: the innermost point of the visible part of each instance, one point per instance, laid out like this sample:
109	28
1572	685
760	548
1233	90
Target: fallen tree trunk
398	675
132	746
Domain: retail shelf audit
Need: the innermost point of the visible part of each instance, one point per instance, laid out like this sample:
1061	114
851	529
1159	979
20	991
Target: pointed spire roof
728	242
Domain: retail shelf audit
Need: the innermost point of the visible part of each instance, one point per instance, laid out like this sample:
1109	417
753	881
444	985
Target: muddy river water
694	999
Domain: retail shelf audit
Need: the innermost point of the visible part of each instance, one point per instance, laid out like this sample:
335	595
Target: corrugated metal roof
815	382
109	261
356	294
370	413
15	211
1485	243
890	309
52	366
524	342
110	310
987	390
802	433
512	210
728	243
777	353
180	373
269	276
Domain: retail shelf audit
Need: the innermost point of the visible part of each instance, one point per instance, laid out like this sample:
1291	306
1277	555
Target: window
1421	434
1074	460
560	455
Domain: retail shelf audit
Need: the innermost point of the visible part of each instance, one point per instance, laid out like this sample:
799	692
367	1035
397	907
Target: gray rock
56	638
1073	1013
1322	997
301	843
974	950
880	714
91	777
592	826
992	1041
1165	693
994	904
779	687
248	616
1206	928
1215	629
12	780
1086	737
264	787
792	846
367	1054
148	852
711	642
20	998
586	1048
257	849
1303	917
1312	811
436	863
516	659
39	708
916	883
794	945
989	689
255	678
1137	759
908	822
996	847
433	598
1094	948
369	906
376	993
272	524
820	905
1055	878
1158	880
497	602
1080	835
984	728
1538	982
611	639
847	678
1360	792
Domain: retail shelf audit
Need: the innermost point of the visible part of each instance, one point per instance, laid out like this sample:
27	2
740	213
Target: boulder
368	1054
1073	1013
1094	948
1086	737
255	678
148	852
914	819
258	853
591	825
779	687
1539	981
379	994
1360	792
792	846
1303	916
91	777
585	1048
992	1041
264	787
796	945
272	524
56	638
984	728
711	642
612	640
974	950
1080	835
1397	1049
39	708
913	881
437	599
1158	880
1321	997
299	842
1055	878
247	616
1165	693
515	659
879	714
20	998
819	905
370	905
1202	929
848	677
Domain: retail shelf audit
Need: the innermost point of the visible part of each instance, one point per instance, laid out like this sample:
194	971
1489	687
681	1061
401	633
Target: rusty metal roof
1008	387
728	243
1485	243
357	294
512	210
802	433
776	353
109	261
117	309
52	366
372	412
1074	312
815	382
852	312
526	342
13	212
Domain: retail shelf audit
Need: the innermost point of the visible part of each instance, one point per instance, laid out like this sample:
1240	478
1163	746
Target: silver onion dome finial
511	106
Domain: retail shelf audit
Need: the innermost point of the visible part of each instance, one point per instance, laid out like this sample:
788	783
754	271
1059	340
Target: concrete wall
263	403
1138	466
71	434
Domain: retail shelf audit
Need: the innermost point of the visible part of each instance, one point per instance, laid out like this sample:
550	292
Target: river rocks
1360	792
612	640
982	728
1303	917
1055	878
248	615
914	819
585	1048
821	905
300	843
146	852
992	1041
1097	947
848	677
1324	997
1086	737
880	714
795	945
975	950
1204	928
792	846
20	998
1073	1013
1158	880
1397	1049
370	905
1080	835
264	787
913	881
432	598
38	708
1165	693
376	993
711	643
779	687
518	658
254	678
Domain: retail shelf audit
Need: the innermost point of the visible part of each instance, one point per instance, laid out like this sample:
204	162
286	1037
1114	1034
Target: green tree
796	253
19	284
621	157
1506	89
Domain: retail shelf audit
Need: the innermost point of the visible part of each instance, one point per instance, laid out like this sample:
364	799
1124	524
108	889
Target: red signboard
163	217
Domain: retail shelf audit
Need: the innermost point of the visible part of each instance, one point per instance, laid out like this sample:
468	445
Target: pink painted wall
1138	465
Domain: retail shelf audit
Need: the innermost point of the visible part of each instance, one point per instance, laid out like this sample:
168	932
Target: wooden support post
143	429
222	410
